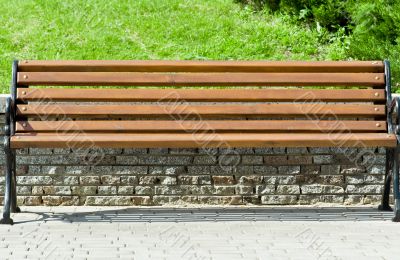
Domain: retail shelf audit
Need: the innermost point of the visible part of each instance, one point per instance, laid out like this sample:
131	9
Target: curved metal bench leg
388	179
14	207
396	217
396	191
7	195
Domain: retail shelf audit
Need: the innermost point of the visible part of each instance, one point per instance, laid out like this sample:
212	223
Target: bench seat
204	140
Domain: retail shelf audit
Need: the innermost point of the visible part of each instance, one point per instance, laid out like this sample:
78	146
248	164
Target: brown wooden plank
200	66
199	79
187	140
203	125
228	95
178	110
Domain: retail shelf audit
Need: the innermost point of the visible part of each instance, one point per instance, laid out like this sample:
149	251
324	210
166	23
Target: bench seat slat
289	110
203	125
188	140
227	95
201	66
199	79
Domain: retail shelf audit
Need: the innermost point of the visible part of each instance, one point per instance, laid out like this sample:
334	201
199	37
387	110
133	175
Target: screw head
377	78
376	109
376	94
24	108
378	125
24	124
25	76
23	92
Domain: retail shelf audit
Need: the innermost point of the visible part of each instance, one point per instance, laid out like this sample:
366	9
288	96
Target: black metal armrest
7	115
393	111
395	103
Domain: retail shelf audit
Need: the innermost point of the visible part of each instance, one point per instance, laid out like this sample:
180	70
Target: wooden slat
290	110
187	140
204	125
199	79
201	66
228	95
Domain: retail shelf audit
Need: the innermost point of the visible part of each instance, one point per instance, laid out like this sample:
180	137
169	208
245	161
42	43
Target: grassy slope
149	29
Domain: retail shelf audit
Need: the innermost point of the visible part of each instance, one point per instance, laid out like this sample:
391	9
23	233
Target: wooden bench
350	105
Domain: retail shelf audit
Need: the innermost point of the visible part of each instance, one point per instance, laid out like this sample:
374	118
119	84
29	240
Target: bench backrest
246	97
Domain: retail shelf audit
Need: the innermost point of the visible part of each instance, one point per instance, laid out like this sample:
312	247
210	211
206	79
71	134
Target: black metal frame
392	154
10	196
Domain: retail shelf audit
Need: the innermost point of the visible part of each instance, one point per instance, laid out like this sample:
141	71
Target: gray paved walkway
200	233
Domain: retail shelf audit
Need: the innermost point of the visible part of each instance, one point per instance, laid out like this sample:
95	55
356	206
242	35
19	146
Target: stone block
110	180
89	180
168	180
265	189
205	159
129	180
244	190
290	170
279	199
125	190
275	160
221	200
224	190
251	179
107	190
364	189
321	189
223	180
288	189
187	179
84	190
252	159
34	180
149	180
299	159
265	170
144	190
323	159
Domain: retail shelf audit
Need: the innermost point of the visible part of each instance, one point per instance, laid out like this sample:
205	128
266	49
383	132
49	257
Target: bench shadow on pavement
213	214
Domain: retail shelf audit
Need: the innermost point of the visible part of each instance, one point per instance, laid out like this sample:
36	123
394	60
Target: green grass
152	29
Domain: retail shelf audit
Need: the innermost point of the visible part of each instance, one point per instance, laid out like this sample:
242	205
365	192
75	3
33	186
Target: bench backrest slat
213	95
202	66
272	126
273	110
199	79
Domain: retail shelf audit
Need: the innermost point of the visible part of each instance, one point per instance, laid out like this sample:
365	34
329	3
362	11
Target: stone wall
266	176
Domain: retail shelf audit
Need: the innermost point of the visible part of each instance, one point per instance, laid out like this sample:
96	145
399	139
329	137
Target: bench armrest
7	116
395	103
394	114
